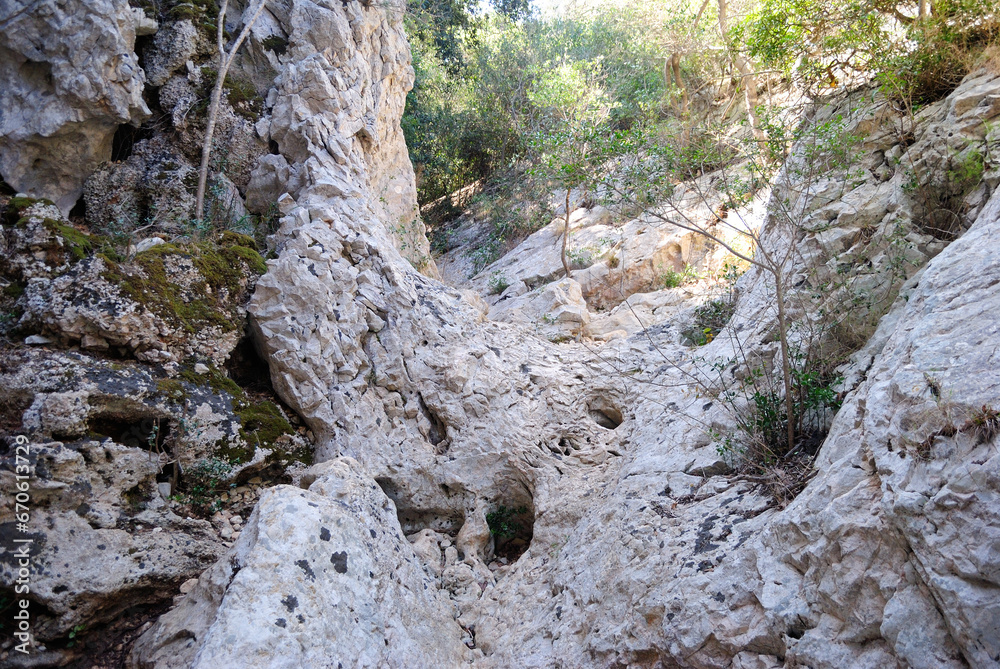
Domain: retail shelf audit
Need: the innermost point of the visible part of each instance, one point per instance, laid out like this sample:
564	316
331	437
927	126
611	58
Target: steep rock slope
642	551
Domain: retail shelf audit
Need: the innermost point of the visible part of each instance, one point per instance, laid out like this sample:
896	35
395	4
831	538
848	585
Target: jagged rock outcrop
116	450
355	594
70	77
642	550
167	303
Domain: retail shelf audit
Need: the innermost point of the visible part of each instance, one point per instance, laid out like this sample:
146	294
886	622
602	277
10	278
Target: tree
225	62
647	180
575	108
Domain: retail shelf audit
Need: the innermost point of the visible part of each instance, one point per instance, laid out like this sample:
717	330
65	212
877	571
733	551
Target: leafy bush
203	483
504	522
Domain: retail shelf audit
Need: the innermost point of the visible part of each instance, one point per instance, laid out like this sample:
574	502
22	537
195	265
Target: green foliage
498	283
709	319
485	96
581	258
673	279
203	483
75	634
505	521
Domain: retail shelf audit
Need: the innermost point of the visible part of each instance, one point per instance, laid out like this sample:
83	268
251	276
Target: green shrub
498	283
504	522
203	483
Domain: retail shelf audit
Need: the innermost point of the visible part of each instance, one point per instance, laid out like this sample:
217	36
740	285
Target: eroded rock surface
355	593
65	97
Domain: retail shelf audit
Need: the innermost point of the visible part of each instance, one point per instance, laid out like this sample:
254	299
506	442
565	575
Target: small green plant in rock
504	522
498	283
581	258
709	319
75	634
673	279
203	483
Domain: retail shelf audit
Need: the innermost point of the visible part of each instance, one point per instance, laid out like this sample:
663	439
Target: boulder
319	577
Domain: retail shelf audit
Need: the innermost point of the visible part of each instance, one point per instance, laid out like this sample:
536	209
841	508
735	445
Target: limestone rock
70	78
152	189
556	310
318	576
167	303
89	569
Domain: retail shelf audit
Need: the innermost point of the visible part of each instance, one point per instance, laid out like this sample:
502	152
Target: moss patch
216	380
242	95
203	14
172	389
78	244
223	263
12	212
262	422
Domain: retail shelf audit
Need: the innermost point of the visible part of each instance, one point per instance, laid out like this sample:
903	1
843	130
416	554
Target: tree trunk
786	364
225	60
747	76
206	147
675	64
565	243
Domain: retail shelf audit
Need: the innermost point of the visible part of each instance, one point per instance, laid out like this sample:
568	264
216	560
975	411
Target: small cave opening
603	412
247	368
78	214
125	138
413	518
151	433
511	525
511	519
437	432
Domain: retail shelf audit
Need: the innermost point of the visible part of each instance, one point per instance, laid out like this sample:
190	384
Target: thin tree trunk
924	9
565	243
786	365
675	64
747	76
225	61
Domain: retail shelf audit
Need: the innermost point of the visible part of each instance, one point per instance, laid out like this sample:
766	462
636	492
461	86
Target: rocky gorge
295	451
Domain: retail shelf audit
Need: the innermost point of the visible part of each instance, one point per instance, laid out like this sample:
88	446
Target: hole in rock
5	188
247	368
129	429
604	413
511	521
413	518
437	431
125	138
78	214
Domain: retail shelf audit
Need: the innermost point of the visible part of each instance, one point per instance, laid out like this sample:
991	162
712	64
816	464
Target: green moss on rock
216	380
78	244
12	213
172	389
262	423
224	263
